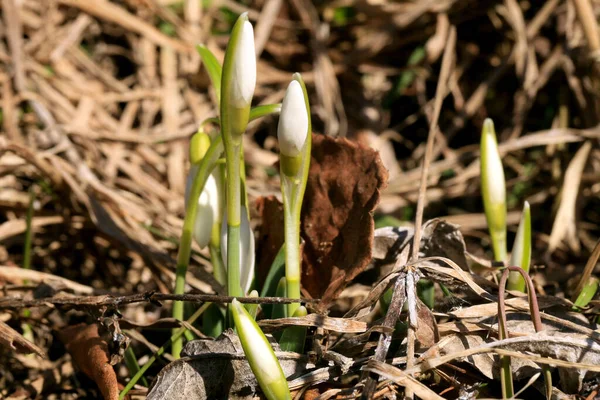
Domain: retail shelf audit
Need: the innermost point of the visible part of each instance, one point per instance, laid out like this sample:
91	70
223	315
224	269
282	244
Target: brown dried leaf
90	353
271	234
398	376
344	325
343	189
344	183
217	369
427	330
13	340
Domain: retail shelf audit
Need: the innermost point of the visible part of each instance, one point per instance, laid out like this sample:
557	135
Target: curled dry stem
507	389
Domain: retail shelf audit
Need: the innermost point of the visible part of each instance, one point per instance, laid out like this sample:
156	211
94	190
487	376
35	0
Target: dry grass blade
585	12
401	378
342	325
588	270
19	275
564	222
84	302
568	352
15	341
112	12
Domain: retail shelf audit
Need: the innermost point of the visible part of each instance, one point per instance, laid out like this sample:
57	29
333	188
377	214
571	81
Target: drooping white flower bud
243	69
246	249
208	207
260	354
293	121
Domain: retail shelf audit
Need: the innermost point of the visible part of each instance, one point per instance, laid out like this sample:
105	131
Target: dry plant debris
90	353
15	341
99	98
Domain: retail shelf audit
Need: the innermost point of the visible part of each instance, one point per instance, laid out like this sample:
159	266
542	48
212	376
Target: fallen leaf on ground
90	353
216	369
13	340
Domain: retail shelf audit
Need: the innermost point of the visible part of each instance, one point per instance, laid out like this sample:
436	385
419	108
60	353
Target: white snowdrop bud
293	121
258	350
243	70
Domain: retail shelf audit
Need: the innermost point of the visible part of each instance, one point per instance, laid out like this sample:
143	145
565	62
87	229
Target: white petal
247	257
244	68
208	207
293	121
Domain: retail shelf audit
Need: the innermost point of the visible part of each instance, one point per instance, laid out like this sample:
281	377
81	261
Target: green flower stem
233	261
292	241
232	154
132	365
185	245
177	333
217	261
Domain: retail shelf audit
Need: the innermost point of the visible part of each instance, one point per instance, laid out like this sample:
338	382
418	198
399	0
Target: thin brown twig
440	94
534	311
151	297
587	271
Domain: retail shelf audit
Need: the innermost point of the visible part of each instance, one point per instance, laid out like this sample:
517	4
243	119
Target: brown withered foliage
343	188
344	184
90	353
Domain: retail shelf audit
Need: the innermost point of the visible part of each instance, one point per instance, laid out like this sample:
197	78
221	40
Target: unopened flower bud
243	68
260	354
293	121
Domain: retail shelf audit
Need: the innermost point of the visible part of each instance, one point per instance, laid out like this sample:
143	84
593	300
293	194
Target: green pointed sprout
493	189
294	135
280	310
260	354
521	251
252	308
587	293
237	88
293	337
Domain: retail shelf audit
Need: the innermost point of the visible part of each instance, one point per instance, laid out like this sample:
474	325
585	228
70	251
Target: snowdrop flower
293	121
208	207
246	249
242	71
493	189
262	359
